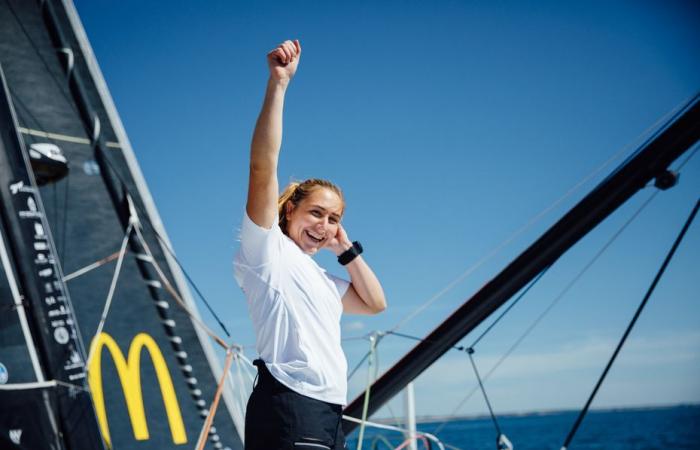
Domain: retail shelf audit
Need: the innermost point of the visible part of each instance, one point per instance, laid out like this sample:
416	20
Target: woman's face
314	222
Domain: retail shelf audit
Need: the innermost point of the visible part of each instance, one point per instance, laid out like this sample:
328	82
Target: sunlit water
676	428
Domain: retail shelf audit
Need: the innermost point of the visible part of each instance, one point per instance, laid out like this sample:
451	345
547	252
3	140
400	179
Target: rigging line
41	57
125	187
92	266
463	348
189	279
110	295
522	294
357	367
175	294
143	213
637	313
553	303
470	352
634	143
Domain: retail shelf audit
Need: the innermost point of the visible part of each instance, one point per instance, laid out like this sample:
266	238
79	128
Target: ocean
676	428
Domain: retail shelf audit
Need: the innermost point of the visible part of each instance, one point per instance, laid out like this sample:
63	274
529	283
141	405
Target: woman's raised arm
263	187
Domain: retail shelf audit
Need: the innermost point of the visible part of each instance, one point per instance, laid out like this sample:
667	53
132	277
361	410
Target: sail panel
86	214
28	417
18	359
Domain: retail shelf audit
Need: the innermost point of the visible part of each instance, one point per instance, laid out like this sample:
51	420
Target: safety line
637	313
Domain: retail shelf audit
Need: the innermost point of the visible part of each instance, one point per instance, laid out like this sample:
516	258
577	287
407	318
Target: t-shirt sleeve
340	284
259	245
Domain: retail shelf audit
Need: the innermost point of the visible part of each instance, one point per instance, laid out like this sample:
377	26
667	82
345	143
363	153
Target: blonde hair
296	192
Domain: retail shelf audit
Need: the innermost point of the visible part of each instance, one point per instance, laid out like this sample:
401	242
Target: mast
650	162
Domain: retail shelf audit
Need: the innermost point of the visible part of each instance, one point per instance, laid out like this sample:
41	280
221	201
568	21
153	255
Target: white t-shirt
295	307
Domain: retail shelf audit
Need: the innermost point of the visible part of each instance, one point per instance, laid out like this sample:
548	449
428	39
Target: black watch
350	254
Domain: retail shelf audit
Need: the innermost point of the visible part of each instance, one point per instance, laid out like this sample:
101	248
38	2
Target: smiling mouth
314	238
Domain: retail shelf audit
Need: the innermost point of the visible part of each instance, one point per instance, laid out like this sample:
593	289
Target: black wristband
350	254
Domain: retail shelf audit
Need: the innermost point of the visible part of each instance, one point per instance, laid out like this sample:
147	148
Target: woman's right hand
283	60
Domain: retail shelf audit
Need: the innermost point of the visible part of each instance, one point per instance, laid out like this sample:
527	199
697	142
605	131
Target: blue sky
449	126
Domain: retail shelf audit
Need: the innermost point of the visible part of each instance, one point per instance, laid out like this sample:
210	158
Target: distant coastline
446	418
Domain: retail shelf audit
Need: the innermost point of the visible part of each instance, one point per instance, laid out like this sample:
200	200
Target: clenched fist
284	59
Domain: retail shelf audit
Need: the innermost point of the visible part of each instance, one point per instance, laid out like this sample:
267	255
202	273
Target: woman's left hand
340	242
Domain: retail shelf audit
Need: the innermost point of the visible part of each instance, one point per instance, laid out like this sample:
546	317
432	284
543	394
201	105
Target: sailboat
73	196
100	345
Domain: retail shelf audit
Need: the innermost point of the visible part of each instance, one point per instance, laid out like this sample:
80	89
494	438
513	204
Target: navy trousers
278	418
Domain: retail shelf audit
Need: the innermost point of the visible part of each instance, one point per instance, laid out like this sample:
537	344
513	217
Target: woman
294	304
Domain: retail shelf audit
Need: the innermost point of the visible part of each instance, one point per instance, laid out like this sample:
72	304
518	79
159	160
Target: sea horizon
426	419
621	428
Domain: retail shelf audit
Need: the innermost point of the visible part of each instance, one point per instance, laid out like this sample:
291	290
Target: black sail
153	374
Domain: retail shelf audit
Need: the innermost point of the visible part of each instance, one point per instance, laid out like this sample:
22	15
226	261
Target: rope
637	313
408	441
470	352
634	143
201	442
110	294
92	266
392	428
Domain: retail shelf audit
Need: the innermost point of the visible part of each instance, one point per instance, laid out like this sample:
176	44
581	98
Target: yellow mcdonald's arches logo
129	371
